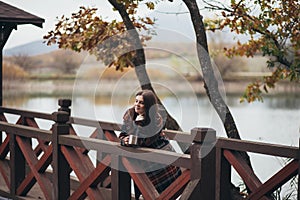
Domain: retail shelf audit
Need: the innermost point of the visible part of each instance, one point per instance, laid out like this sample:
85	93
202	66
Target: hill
30	49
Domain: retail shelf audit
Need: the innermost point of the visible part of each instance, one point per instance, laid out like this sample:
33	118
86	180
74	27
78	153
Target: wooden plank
26	131
92	179
81	171
141	180
277	180
60	166
5	171
81	154
2	117
97	124
73	132
106	183
161	156
42	145
179	136
203	169
75	162
243	169
17	165
26	113
95	134
176	188
31	122
258	147
44	182
196	161
41	167
223	176
4	148
186	194
120	180
111	136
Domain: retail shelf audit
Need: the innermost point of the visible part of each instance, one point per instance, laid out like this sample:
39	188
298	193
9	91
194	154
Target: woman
144	121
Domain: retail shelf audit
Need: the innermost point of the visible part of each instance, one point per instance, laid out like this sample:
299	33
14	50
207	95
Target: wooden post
1	77
5	31
1	87
17	165
61	168
120	180
299	171
203	169
223	176
64	105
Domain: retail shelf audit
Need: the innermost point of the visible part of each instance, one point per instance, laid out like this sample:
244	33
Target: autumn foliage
107	40
272	28
13	72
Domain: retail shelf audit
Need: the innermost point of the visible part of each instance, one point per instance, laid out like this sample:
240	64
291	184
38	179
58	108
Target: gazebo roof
11	14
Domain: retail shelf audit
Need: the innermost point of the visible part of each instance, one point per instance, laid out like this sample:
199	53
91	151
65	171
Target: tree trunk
139	62
210	81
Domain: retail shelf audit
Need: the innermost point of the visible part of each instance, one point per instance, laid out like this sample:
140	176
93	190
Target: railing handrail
110	126
26	131
258	147
147	154
26	113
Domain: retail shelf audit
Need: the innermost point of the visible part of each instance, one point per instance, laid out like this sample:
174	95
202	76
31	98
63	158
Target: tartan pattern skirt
162	178
162	175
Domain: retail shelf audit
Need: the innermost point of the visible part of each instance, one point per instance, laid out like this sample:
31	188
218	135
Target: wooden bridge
62	164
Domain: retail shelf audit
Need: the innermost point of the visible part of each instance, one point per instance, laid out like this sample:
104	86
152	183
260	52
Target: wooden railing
228	155
60	163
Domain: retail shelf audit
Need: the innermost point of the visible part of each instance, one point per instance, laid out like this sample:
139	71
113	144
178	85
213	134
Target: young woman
144	121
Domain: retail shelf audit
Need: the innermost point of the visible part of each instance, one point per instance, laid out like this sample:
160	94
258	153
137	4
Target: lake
276	120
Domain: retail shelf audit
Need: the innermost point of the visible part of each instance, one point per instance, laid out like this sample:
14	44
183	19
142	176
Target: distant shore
106	87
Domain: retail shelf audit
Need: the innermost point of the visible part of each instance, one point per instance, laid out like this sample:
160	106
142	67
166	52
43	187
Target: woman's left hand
124	141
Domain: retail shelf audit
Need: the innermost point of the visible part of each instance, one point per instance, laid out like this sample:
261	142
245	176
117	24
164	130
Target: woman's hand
124	141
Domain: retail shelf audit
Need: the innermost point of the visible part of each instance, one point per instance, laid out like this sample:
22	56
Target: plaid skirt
162	178
162	175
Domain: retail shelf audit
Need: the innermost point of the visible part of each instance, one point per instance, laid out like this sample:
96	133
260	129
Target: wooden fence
60	163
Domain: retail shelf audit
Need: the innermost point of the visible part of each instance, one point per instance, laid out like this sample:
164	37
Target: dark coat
151	136
148	131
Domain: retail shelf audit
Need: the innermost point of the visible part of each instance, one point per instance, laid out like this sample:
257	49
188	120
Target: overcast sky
49	10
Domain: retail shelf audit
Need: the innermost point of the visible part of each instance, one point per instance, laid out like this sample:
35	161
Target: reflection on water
284	102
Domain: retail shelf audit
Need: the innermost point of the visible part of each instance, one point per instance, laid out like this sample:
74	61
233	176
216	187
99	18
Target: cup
133	140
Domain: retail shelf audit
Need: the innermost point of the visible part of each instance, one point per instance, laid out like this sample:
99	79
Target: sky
180	25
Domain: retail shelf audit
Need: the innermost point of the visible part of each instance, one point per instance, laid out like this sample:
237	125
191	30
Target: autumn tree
23	60
67	61
118	44
272	29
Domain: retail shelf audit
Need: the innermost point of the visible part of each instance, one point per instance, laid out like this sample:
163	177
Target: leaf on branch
252	93
108	41
150	5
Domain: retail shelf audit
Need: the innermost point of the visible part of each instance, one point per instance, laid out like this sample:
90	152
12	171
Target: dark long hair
150	104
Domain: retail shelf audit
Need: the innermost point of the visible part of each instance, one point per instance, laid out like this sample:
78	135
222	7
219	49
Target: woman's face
139	106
